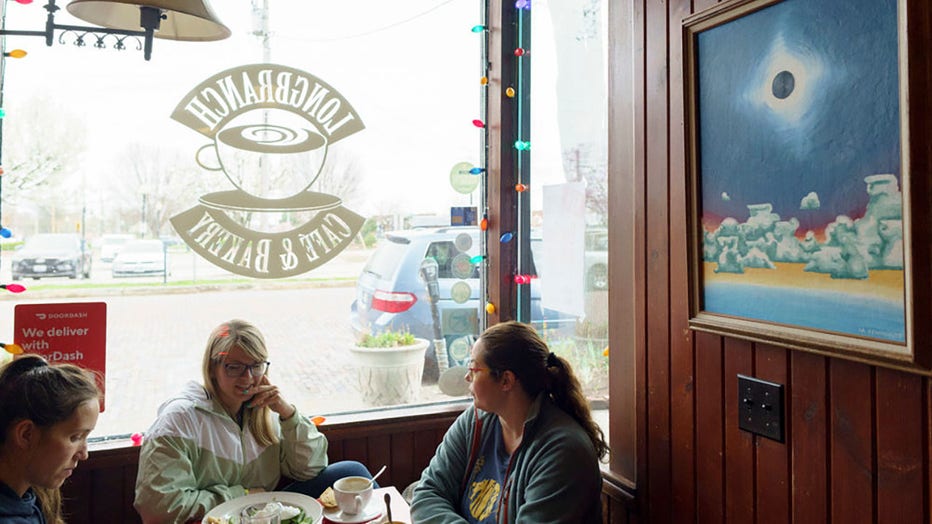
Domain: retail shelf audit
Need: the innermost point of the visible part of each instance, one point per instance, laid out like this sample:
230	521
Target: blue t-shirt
484	491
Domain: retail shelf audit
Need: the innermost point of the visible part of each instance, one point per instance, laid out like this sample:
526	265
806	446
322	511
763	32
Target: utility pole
260	20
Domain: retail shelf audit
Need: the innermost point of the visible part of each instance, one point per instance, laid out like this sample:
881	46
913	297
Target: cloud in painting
810	201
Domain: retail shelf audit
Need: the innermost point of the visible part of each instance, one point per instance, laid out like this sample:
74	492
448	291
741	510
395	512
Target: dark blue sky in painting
824	127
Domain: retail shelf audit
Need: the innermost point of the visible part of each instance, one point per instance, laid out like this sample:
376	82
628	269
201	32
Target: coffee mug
352	494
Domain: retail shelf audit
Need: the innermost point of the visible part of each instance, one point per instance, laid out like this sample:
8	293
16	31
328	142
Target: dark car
52	255
390	293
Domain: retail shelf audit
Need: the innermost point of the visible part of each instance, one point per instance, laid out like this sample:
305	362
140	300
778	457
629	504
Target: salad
289	515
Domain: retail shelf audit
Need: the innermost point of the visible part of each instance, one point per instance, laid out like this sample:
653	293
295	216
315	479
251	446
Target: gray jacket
554	473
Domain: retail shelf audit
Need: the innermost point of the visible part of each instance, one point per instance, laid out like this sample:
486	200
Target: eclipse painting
799	158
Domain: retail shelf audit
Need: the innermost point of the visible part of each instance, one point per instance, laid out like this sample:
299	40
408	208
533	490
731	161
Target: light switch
760	407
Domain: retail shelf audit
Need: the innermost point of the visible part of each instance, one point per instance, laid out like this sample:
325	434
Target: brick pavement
155	345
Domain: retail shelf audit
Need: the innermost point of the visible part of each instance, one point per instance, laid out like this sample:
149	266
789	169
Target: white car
140	257
596	259
110	245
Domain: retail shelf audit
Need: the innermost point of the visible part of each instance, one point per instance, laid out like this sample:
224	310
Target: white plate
232	508
371	512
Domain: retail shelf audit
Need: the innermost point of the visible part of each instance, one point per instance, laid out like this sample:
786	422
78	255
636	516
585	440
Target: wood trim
502	160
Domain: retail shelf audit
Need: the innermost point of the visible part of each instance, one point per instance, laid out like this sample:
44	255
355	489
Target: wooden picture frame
804	218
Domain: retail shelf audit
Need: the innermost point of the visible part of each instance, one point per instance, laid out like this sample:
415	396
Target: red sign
74	333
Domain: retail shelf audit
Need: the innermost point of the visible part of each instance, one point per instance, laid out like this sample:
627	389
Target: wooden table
401	512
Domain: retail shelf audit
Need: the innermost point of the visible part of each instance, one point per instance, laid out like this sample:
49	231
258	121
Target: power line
367	33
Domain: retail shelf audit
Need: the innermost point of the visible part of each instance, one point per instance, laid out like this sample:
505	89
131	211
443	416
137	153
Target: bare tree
155	183
42	147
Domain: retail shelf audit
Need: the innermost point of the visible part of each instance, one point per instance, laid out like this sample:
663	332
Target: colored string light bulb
510	92
16	53
318	420
136	438
24	2
520	188
2	112
520	51
490	308
5	233
506	237
1	170
13	349
13	288
522	146
478	28
523	4
605	351
484	81
522	279
476	259
478	123
484	223
477	171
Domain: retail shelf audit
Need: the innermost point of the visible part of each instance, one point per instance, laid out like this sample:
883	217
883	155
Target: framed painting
800	196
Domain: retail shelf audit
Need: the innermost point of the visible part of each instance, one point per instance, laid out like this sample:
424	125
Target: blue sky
834	123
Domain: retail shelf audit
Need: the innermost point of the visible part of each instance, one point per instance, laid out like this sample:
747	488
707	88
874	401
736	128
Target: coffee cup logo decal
261	121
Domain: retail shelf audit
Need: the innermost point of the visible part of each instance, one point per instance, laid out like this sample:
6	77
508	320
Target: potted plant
390	365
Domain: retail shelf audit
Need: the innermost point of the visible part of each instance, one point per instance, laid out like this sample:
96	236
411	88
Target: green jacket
195	457
554	474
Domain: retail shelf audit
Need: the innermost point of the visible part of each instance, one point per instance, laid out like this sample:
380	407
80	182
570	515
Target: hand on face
267	394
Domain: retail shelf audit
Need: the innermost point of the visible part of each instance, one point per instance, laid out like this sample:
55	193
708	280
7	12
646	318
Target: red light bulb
478	123
520	188
520	51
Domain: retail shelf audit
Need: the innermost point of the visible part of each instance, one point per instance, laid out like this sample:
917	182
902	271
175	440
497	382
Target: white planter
389	376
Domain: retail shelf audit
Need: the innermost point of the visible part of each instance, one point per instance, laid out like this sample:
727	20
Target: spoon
388	507
377	474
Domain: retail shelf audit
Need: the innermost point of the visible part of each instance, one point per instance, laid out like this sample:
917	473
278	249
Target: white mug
352	494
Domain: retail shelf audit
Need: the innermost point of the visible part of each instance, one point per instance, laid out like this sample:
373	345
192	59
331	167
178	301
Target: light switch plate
760	407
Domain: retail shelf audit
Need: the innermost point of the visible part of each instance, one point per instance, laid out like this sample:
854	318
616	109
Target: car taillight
392	302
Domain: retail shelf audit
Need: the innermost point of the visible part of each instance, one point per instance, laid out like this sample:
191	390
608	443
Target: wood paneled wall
857	446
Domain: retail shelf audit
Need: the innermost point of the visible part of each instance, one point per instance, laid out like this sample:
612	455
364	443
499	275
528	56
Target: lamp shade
189	20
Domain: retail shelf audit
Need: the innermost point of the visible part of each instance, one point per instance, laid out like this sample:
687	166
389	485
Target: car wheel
598	278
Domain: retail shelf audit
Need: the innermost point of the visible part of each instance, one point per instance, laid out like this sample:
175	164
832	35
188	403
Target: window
101	158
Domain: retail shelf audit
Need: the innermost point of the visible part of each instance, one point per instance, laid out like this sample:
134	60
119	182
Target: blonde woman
232	435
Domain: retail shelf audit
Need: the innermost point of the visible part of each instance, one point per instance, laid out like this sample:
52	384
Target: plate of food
295	508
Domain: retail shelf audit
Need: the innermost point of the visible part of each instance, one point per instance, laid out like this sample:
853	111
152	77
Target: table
401	512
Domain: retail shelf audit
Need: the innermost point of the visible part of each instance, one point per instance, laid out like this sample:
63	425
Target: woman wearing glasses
526	451
231	436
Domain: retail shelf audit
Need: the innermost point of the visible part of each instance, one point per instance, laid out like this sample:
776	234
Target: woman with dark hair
527	450
46	413
219	440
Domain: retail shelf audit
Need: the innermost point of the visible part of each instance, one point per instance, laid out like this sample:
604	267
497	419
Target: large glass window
568	177
90	148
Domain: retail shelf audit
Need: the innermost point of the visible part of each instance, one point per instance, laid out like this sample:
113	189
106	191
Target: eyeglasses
237	370
473	369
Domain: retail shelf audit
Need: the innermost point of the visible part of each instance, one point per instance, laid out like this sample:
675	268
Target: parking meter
428	273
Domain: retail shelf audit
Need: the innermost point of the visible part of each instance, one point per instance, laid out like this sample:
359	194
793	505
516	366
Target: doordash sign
74	333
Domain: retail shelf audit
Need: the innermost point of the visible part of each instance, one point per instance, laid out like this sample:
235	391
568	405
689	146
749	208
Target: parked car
52	255
111	244
140	257
390	293
596	259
